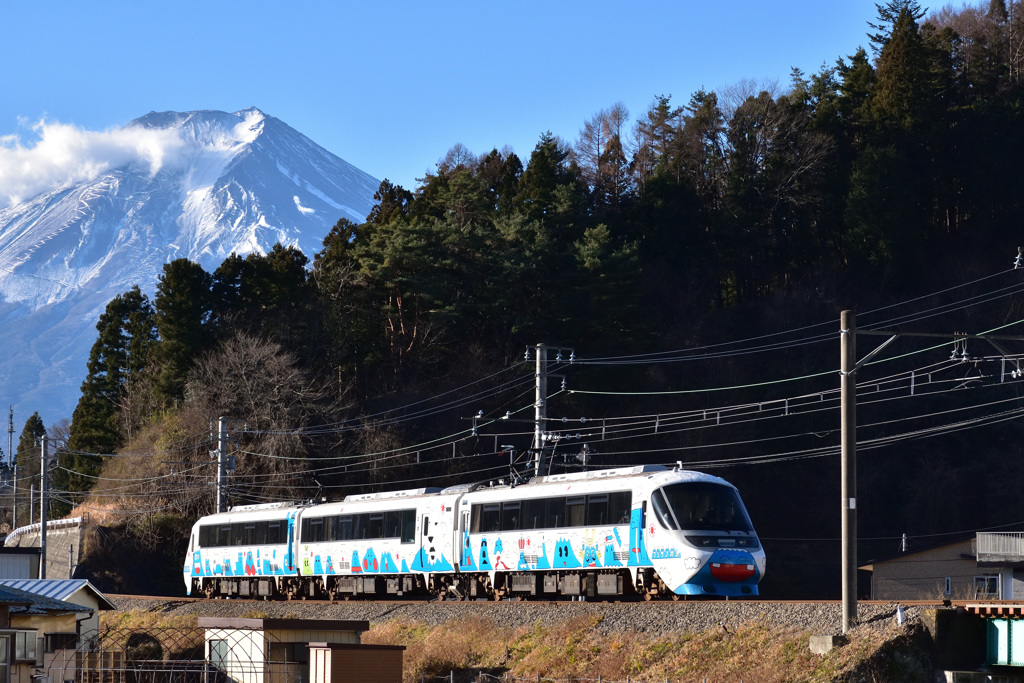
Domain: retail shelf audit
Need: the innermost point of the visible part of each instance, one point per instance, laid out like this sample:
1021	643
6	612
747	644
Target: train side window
408	526
490	517
575	511
597	510
392	524
249	533
510	516
204	536
359	526
375	525
555	515
661	511
261	533
533	514
275	532
620	505
344	528
224	535
313	530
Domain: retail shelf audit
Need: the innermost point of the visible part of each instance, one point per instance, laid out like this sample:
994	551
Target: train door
289	554
465	551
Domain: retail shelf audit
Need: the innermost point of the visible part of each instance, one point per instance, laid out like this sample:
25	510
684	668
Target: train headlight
745	542
702	541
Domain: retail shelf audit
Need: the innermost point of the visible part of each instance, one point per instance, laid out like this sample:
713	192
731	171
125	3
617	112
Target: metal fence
1000	546
176	655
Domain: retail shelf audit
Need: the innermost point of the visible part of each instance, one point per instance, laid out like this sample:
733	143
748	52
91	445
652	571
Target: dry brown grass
575	650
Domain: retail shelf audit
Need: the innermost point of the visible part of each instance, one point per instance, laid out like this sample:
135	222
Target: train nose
731	573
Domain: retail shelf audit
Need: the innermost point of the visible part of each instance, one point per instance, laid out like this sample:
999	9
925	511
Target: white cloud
64	154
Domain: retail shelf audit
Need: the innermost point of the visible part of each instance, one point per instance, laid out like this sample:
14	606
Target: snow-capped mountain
224	183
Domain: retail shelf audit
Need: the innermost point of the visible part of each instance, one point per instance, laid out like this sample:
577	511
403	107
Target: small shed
355	663
272	650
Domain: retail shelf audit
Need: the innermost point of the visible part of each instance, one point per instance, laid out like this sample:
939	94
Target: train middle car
643	531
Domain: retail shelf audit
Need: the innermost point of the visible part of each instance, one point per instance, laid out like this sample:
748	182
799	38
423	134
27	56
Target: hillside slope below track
651	618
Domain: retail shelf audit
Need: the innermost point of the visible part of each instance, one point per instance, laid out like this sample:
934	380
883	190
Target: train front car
246	552
699	538
641	531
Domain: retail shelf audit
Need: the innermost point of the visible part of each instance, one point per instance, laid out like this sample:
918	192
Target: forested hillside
693	257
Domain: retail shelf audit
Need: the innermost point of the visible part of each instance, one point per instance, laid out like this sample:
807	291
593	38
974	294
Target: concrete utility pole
42	510
848	495
14	462
222	440
540	409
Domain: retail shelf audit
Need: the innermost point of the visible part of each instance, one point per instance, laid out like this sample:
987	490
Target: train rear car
247	552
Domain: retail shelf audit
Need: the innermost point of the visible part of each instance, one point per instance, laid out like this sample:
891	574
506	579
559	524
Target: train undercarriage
622	584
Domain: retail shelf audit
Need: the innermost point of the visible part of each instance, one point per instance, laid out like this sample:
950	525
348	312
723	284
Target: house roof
24	602
959	539
59	589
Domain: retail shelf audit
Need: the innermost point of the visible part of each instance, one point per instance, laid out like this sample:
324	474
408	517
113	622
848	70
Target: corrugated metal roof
58	589
22	601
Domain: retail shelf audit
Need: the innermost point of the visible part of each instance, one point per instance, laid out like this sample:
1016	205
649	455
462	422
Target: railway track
425	601
655	618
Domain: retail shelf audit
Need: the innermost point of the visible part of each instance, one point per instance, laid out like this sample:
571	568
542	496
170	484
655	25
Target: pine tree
888	14
118	357
183	308
27	458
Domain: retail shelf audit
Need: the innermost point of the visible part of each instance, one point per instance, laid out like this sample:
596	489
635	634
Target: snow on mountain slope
230	183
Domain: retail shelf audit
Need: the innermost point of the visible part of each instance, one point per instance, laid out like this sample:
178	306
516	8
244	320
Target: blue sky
390	87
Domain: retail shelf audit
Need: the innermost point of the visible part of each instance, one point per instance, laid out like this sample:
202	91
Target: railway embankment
734	640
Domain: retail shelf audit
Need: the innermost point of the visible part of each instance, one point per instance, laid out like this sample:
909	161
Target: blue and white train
641	531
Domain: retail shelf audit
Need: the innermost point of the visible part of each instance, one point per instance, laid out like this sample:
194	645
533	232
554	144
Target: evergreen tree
27	458
392	202
538	195
183	307
888	15
902	93
118	357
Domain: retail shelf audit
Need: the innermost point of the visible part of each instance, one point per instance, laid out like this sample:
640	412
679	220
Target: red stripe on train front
731	573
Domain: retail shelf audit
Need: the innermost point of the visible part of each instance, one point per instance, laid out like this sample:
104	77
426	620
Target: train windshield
700	506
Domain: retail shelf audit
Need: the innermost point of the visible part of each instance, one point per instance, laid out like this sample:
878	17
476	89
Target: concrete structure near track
63	545
282	650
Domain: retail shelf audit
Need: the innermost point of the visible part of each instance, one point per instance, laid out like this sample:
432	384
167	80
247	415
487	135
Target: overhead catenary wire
463	436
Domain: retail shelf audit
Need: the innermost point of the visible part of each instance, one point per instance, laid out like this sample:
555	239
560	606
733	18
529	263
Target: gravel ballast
655	618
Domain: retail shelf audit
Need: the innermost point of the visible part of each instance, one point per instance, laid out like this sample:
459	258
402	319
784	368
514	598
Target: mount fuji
211	183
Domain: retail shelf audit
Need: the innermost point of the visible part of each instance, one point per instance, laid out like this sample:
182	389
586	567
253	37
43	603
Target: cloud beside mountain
85	215
63	154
